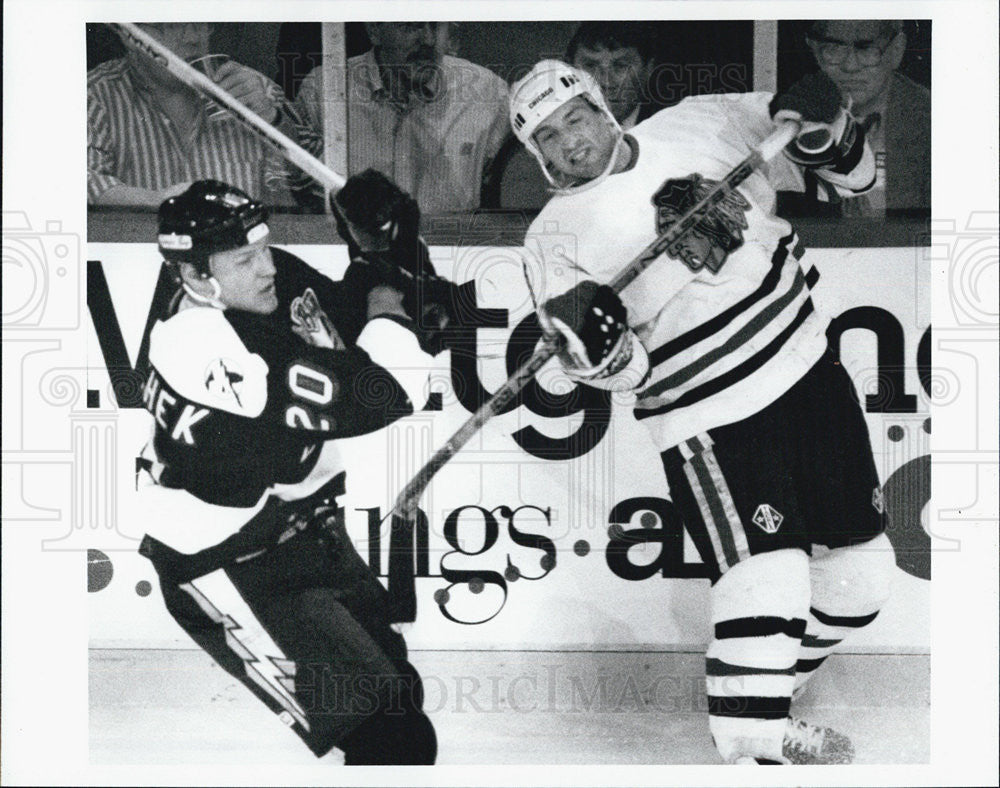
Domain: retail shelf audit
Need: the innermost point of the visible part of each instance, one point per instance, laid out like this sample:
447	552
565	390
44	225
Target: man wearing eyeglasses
861	57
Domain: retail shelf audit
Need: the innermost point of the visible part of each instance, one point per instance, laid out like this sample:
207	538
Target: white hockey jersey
725	315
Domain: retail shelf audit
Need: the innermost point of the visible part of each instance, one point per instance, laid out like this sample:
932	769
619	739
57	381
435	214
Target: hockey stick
135	36
401	573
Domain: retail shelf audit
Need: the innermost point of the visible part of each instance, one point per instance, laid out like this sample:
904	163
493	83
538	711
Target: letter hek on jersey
709	242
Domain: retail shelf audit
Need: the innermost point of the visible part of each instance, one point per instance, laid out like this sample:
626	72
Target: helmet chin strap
212	300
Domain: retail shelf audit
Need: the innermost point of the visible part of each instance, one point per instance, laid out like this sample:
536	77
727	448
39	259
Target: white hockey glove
829	137
600	349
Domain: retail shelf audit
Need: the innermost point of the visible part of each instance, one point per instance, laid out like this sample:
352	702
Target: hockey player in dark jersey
763	444
260	365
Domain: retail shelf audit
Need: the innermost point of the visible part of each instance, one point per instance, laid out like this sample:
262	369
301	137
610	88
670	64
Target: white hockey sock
759	612
824	632
848	586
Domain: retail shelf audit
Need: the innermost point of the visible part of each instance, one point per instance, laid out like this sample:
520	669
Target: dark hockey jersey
243	403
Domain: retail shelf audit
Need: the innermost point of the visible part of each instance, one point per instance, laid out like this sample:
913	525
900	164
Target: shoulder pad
199	354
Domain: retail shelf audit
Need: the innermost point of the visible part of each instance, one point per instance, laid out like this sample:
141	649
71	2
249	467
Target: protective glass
209	65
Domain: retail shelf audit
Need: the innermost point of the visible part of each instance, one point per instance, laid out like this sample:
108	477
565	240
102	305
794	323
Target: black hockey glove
591	318
374	215
380	223
372	269
829	137
431	302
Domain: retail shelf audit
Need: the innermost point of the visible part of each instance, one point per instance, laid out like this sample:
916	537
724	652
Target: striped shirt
436	149
725	314
132	141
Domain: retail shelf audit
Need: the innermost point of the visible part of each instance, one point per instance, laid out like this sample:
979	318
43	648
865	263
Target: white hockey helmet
549	85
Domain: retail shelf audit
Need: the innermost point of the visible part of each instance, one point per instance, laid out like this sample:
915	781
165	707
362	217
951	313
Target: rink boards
553	528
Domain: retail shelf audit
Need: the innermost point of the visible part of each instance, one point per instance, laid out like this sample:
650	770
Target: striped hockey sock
759	610
824	632
848	587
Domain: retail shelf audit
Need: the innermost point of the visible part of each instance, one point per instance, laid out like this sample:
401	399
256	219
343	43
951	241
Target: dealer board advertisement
553	528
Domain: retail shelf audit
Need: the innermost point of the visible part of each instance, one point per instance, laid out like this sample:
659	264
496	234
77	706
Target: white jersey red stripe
691	366
726	314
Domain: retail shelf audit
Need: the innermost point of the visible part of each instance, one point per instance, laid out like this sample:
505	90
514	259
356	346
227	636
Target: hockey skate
813	744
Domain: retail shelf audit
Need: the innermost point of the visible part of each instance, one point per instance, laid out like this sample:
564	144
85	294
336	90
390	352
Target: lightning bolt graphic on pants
265	664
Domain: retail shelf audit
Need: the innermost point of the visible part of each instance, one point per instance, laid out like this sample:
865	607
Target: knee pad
766	584
759	611
854	580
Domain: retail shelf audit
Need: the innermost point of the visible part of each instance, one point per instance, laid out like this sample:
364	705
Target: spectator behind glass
149	135
861	57
619	56
428	120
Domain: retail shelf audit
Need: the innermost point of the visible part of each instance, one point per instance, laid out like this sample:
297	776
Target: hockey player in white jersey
259	365
764	447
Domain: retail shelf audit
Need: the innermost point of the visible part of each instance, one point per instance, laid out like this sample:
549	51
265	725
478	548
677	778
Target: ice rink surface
501	707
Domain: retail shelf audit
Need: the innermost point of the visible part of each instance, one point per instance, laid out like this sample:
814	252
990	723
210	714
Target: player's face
246	277
414	47
621	74
576	140
853	71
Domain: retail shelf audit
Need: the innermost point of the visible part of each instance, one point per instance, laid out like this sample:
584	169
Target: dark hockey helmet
209	217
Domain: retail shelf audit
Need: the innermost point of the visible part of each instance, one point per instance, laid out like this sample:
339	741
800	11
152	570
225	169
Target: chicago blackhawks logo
720	231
